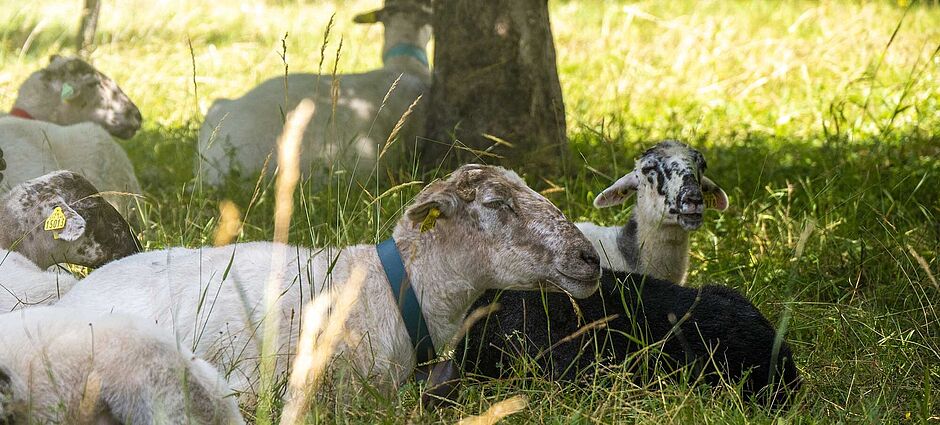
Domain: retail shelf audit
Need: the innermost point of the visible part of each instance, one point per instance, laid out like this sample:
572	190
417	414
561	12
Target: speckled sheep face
670	186
92	234
506	233
85	94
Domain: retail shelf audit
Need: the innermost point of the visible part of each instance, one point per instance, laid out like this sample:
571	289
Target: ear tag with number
55	221
430	220
68	92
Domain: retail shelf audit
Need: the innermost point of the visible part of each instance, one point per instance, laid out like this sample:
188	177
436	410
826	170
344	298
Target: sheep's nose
589	256
134	119
691	202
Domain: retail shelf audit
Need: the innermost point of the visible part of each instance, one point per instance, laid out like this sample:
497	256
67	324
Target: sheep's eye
649	170
497	204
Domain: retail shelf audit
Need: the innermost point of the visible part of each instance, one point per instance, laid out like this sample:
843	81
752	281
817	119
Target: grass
820	119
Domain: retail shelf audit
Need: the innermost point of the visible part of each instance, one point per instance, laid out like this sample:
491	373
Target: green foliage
819	118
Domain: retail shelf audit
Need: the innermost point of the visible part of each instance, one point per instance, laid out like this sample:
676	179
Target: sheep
713	329
671	195
481	228
238	135
60	365
63	119
91	234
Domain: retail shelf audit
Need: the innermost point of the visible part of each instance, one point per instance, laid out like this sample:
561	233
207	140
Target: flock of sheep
175	335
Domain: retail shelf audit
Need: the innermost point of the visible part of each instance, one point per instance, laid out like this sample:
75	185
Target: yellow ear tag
55	221
430	220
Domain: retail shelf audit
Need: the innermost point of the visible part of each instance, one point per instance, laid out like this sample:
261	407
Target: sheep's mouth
579	285
690	221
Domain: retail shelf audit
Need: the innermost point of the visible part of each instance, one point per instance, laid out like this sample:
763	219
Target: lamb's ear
64	223
715	197
618	192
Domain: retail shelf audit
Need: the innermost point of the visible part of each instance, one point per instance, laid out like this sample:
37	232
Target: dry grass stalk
323	327
230	223
88	405
923	265
497	411
398	125
288	173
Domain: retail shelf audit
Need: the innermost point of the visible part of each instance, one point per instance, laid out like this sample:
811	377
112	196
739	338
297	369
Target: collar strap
21	113
407	300
406	49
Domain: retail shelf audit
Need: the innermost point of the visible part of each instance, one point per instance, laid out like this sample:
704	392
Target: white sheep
492	232
61	365
90	234
63	119
672	193
238	135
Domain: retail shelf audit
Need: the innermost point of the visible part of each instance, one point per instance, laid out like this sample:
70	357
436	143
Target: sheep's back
22	283
34	148
238	134
57	357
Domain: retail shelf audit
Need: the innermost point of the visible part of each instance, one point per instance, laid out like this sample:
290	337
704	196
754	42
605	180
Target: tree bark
495	80
85	40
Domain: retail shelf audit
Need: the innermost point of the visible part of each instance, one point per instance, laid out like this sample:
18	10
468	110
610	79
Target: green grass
820	119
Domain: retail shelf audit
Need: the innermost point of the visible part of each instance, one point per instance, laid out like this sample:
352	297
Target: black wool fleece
719	333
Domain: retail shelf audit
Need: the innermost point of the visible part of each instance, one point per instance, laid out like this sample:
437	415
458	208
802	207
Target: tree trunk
495	81
84	42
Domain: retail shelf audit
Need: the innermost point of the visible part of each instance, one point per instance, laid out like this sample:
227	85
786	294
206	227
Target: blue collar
408	304
406	49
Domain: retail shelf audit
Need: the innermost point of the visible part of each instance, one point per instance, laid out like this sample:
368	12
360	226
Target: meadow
821	119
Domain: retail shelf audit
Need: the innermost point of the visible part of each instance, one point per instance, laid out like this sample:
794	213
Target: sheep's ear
64	223
618	192
368	17
715	197
438	205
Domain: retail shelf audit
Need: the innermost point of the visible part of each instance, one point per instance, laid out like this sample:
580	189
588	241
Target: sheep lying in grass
91	234
348	131
62	365
491	231
61	120
686	325
714	329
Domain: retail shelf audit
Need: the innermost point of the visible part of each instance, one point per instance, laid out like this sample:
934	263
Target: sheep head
486	220
405	22
84	229
671	187
70	91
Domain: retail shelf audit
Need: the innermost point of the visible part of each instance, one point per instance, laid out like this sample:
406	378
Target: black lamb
713	329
